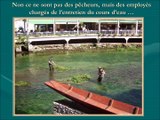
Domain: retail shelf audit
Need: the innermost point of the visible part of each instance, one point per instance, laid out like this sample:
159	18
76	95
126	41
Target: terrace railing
87	32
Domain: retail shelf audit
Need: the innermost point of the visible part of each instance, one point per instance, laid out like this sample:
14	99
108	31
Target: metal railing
88	32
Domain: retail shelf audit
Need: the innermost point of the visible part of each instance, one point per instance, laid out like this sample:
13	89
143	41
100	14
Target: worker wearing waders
51	65
101	74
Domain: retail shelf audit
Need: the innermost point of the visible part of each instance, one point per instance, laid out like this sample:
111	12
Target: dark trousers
51	68
99	78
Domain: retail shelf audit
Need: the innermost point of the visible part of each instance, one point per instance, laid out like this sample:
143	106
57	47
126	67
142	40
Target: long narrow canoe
94	101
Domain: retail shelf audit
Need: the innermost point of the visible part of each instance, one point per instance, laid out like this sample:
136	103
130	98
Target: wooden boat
94	101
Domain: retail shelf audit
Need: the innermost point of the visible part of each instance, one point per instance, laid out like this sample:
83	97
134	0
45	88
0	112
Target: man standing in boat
51	64
101	73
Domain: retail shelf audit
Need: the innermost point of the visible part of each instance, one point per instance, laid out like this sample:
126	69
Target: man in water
101	74
51	64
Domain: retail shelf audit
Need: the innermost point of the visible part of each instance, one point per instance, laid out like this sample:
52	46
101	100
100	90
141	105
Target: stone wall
64	109
39	48
67	106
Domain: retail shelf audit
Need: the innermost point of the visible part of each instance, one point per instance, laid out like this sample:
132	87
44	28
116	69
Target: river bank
73	47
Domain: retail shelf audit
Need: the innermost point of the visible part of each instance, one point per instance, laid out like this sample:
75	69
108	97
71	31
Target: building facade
56	26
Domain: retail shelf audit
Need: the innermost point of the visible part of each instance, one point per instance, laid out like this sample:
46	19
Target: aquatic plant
62	68
138	82
80	78
22	83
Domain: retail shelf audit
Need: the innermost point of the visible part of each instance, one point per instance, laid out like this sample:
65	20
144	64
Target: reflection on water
123	75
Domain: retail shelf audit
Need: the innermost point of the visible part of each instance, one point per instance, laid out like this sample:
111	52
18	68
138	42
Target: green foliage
137	82
22	83
61	68
35	103
21	38
80	78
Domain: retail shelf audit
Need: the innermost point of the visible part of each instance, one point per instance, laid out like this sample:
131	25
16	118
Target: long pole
54	27
118	25
99	27
77	27
137	27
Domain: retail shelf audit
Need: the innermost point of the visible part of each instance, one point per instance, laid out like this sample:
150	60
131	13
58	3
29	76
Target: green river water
123	79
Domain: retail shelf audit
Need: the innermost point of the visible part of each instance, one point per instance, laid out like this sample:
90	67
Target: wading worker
101	74
51	64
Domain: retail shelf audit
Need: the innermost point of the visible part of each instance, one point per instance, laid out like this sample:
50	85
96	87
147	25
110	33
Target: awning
41	21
